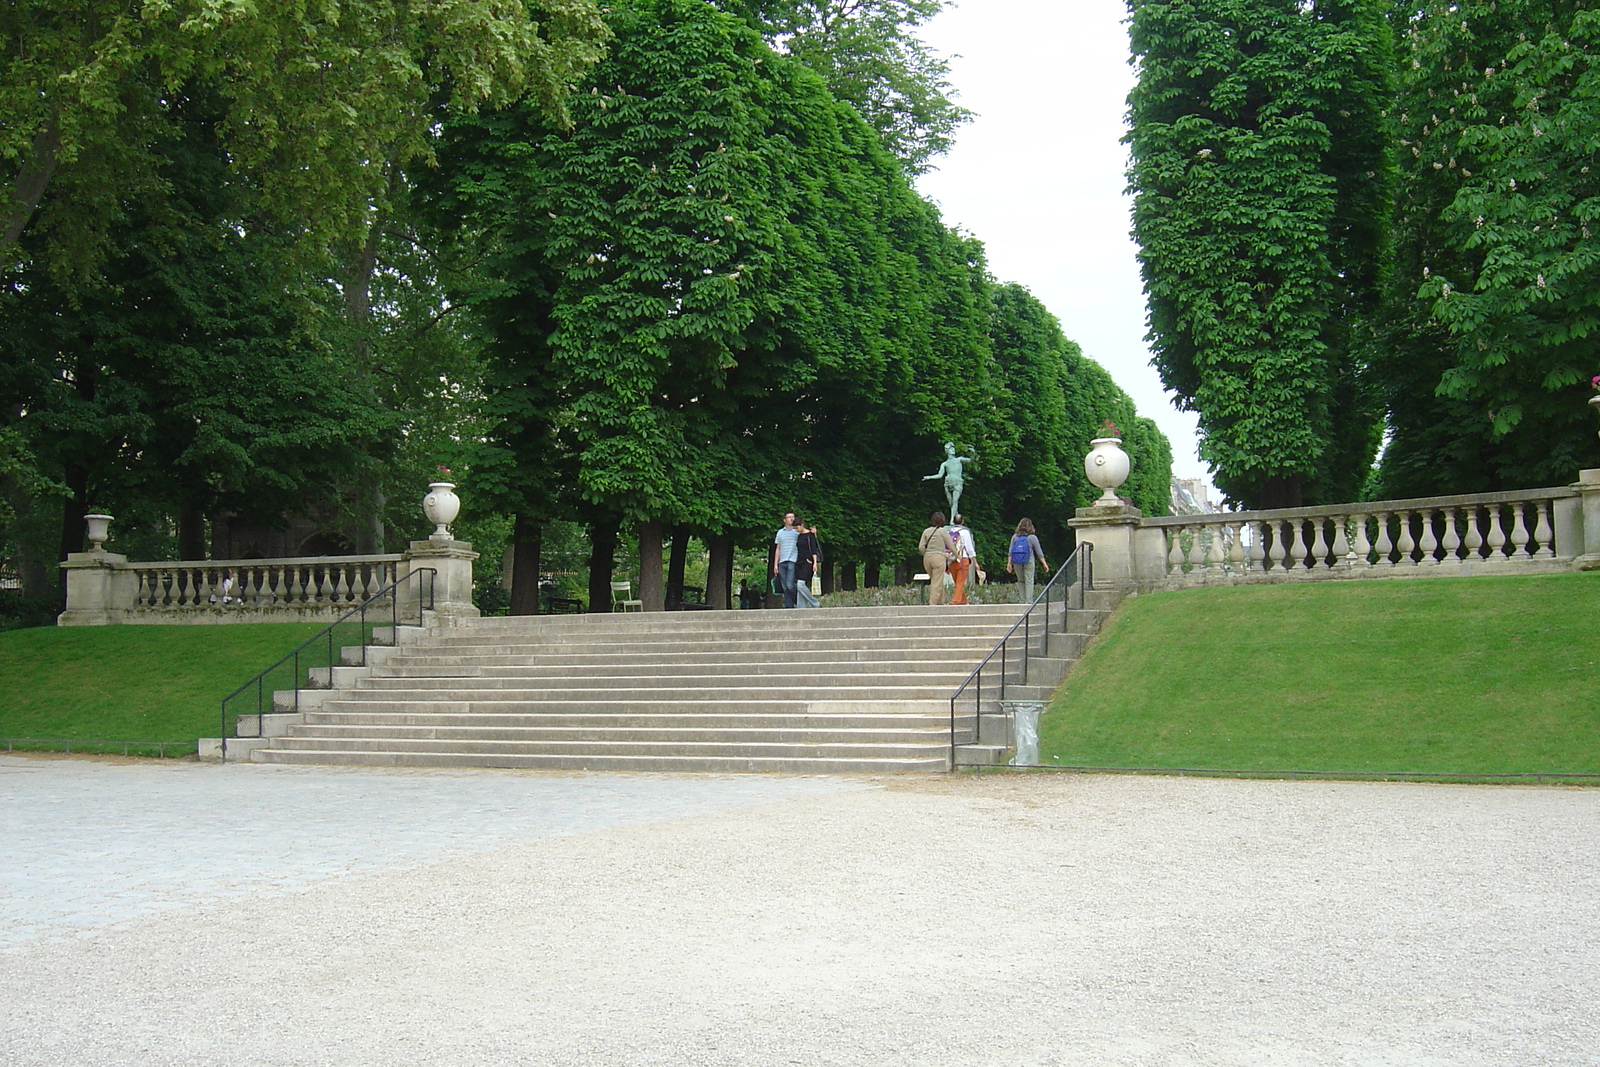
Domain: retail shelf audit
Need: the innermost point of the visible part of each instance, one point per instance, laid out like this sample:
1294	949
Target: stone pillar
1587	520
99	590
452	582
1126	555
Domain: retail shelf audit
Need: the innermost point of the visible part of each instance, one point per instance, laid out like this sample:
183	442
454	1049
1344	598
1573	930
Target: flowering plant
1595	383
443	470
1109	429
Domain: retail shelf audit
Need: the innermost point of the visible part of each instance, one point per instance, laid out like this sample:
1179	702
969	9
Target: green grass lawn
131	683
1446	675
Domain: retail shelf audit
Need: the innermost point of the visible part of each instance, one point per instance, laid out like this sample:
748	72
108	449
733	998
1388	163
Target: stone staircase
827	690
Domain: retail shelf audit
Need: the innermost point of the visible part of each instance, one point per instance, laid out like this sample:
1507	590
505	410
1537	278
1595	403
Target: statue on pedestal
950	471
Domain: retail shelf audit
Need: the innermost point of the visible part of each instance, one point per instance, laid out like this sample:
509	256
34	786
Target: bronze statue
950	471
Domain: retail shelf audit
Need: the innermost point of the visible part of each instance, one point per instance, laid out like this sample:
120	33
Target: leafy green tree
320	98
188	381
870	56
1261	182
1489	337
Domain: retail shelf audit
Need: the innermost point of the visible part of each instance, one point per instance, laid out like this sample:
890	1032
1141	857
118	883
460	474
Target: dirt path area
504	918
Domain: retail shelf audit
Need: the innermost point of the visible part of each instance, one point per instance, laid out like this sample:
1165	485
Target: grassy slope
1471	675
131	683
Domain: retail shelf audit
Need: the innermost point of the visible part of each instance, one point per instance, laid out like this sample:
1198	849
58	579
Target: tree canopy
1261	181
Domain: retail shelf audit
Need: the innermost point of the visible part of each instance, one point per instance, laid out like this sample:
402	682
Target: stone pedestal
1588	487
98	590
1126	556
452	582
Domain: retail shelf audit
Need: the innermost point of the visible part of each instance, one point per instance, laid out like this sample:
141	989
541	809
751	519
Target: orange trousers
959	568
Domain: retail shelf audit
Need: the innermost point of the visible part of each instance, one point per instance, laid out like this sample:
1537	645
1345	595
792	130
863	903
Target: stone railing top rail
282	561
1371	507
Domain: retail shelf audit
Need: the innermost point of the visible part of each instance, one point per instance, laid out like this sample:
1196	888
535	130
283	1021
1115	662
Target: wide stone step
651	689
748	620
736	673
602	707
660	764
775	647
735	732
696	747
642	719
897	659
826	691
771	636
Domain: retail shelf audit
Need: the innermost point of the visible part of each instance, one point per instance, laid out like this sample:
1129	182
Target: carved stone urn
441	505
1107	467
98	529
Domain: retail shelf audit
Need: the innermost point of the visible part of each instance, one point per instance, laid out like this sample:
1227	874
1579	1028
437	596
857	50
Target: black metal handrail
389	593
1078	565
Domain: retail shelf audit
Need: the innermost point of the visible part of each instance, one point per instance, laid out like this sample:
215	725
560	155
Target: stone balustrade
1479	534
334	581
105	588
1519	532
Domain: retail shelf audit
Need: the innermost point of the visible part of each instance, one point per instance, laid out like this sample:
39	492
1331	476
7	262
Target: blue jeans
786	583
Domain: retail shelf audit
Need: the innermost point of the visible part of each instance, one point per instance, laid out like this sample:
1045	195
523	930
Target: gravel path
197	915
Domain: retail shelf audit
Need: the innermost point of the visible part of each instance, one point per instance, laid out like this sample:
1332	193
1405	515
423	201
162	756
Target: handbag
816	585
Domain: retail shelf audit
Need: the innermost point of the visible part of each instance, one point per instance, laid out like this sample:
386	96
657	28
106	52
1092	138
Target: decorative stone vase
441	505
1107	467
98	526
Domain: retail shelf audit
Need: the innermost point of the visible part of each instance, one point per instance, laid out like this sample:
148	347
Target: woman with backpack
1025	551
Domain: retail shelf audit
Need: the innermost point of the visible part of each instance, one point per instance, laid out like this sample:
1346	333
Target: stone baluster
1497	533
1543	532
1451	541
1255	551
1406	544
1363	545
1341	542
1236	555
1294	549
1319	545
1384	546
1175	549
342	590
1278	551
1430	538
1211	560
1473	539
1520	548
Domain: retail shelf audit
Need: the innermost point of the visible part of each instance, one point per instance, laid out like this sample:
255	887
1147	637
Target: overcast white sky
1038	176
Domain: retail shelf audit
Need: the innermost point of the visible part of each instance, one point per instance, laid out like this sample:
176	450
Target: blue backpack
1021	551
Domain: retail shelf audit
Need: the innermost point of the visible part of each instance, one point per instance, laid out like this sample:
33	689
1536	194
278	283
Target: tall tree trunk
719	571
602	562
1281	492
847	577
33	178
527	545
871	579
675	564
650	587
191	532
36	550
74	534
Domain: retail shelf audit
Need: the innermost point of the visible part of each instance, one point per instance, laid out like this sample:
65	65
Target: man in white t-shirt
783	561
